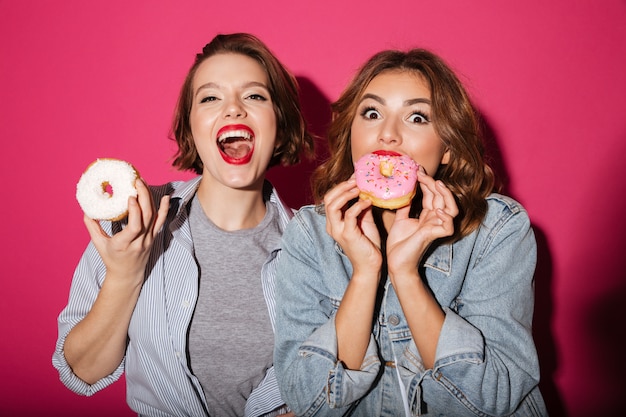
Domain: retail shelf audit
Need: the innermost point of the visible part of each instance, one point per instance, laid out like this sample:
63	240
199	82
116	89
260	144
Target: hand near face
409	238
353	227
126	253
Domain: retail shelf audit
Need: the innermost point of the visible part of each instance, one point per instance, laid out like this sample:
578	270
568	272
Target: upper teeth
235	134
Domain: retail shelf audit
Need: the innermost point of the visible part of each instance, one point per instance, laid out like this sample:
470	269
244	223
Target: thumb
403	213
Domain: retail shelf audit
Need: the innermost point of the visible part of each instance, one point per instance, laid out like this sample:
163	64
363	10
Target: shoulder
308	223
179	189
506	223
310	216
502	209
271	194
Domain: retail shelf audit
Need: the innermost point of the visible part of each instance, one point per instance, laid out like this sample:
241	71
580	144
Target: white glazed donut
103	189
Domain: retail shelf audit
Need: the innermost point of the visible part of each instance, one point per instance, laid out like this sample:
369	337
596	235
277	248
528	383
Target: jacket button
394	320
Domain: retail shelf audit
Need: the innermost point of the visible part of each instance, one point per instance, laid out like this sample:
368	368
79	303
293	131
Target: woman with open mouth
179	295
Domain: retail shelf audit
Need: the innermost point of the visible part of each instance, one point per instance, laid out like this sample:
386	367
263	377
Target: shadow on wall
602	271
544	297
293	183
607	335
542	327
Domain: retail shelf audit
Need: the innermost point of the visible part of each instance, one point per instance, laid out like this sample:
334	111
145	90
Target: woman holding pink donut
425	309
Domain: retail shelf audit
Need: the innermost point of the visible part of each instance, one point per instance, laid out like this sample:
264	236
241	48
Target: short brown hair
292	137
455	120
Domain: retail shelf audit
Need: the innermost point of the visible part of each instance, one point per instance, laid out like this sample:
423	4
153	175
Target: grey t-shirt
231	339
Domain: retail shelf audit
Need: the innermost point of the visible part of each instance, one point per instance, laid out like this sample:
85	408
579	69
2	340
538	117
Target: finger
427	196
94	229
446	222
427	185
146	204
438	198
161	215
135	221
450	205
403	213
337	198
338	193
353	214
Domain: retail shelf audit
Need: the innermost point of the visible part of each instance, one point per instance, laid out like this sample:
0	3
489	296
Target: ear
445	158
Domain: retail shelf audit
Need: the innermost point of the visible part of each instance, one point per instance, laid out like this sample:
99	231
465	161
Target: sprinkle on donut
386	178
104	188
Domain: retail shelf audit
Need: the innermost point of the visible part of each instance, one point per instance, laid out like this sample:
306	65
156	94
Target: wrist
124	282
400	279
366	274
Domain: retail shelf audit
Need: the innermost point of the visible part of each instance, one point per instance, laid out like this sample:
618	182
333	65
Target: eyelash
367	110
422	115
255	96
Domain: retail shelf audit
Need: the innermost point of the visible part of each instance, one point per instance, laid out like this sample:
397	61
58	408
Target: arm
95	347
311	279
485	350
356	233
408	241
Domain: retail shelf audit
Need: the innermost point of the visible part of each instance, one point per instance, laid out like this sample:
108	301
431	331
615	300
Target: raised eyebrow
417	101
373	97
409	102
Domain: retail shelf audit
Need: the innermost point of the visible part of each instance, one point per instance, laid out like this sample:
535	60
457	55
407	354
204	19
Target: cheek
196	126
357	141
430	156
268	122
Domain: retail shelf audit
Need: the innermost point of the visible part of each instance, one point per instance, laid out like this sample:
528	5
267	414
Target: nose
389	133
234	109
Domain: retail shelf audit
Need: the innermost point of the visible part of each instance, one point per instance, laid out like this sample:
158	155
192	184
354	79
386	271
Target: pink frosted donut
103	189
386	178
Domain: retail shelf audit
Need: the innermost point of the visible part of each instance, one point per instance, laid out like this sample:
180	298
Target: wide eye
419	118
370	113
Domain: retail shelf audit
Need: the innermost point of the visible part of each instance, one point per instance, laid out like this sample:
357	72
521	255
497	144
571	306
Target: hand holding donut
353	227
409	237
126	253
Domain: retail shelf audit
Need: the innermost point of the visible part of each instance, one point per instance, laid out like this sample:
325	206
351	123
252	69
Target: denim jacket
486	363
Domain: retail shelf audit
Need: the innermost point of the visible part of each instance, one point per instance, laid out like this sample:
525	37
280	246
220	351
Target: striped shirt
159	380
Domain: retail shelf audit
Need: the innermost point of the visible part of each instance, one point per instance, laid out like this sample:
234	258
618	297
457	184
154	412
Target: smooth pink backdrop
81	80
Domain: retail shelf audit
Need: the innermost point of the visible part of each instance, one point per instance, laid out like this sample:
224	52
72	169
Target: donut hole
107	188
386	168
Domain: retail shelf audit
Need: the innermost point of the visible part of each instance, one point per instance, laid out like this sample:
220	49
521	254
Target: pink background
81	80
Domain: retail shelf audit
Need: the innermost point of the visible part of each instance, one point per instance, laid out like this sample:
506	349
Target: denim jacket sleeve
312	380
486	356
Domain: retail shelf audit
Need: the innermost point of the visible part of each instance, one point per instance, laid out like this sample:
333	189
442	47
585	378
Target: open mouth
236	144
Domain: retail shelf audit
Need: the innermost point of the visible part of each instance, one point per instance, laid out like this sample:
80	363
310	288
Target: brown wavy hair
293	138
456	122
